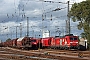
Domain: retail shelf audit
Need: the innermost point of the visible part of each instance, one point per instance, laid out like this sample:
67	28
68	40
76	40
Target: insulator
45	1
24	15
7	16
22	9
12	15
42	18
51	17
45	15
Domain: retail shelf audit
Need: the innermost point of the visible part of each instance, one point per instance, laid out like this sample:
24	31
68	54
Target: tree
8	39
81	12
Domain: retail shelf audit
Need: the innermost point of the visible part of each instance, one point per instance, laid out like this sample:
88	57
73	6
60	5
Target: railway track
66	52
7	53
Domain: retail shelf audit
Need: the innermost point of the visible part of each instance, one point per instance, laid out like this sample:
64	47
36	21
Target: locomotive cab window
33	40
73	38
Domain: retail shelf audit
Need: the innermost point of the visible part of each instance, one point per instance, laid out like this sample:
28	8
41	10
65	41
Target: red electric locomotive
65	42
58	43
72	41
46	42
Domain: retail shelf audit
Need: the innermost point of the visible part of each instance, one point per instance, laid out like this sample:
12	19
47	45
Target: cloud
5	27
14	12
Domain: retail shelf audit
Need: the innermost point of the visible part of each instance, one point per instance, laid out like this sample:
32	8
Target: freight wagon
27	43
14	42
22	43
0	43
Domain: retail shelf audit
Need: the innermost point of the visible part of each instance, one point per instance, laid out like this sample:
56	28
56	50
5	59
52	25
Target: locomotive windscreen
33	40
73	38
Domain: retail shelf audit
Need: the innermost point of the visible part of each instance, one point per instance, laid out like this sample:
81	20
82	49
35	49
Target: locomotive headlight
76	42
35	43
71	42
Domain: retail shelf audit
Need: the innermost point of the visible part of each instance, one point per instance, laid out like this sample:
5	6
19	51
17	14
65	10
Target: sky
15	13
